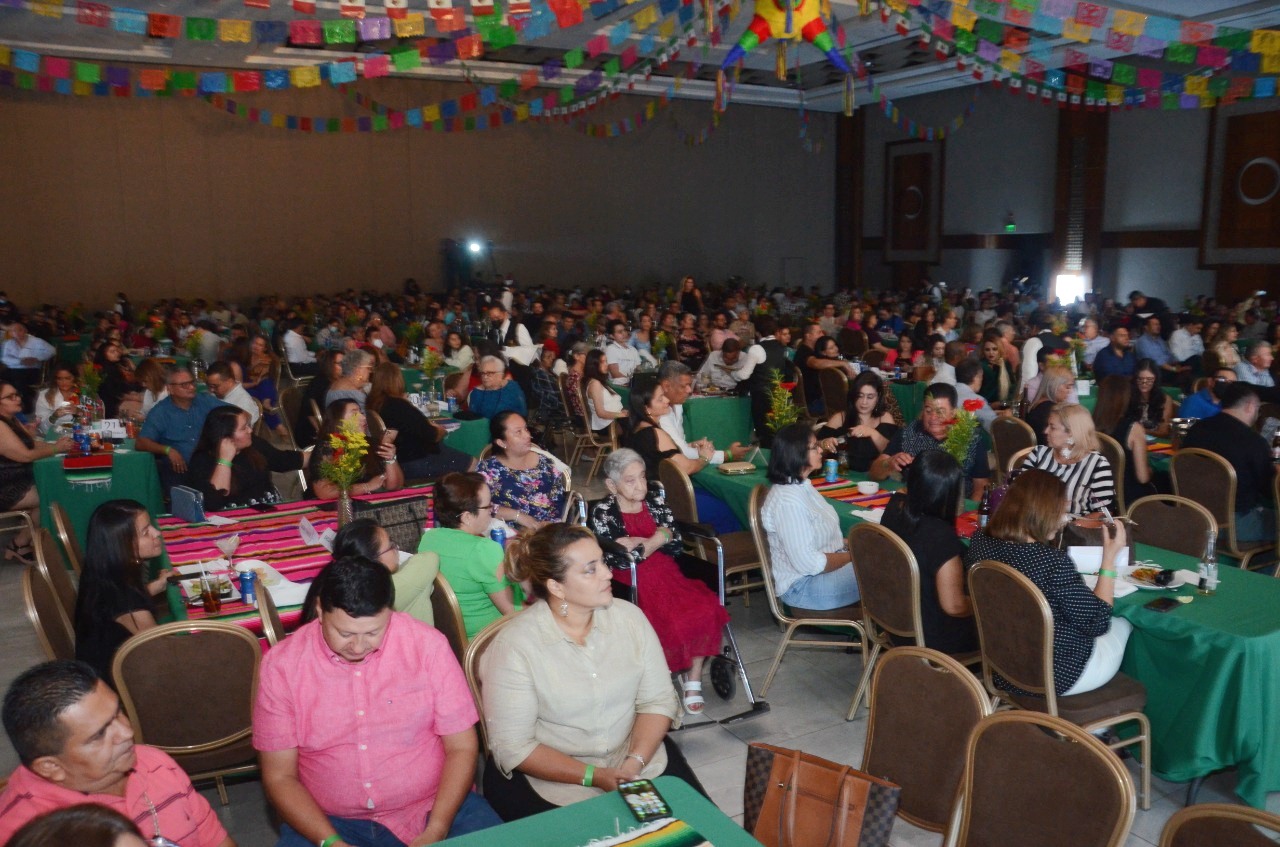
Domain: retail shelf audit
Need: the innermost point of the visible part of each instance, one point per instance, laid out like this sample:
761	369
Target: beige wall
171	197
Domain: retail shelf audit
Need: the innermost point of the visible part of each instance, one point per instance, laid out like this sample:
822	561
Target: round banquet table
132	475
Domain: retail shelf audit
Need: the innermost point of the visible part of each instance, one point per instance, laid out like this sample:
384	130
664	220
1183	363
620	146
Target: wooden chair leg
222	791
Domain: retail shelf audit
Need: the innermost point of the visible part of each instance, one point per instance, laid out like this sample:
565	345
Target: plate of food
1150	577
226	589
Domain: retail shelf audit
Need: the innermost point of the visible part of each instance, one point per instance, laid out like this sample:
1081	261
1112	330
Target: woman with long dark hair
866	426
231	467
648	404
381	468
1114	415
114	600
1151	405
420	444
604	404
924	516
18	451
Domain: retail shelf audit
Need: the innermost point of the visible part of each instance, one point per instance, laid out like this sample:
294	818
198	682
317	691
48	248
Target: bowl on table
868	487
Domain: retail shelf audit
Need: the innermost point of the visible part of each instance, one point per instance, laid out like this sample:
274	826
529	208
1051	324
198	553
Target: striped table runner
846	491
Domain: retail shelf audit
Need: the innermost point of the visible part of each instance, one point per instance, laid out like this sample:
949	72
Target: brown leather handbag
793	799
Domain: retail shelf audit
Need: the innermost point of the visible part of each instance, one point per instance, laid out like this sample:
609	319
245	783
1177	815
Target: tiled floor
808	702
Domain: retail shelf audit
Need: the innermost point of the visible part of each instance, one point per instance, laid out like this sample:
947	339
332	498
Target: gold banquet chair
189	689
49	563
446	611
67	537
1220	825
1210	480
792	618
44	610
1031	778
1009	436
471	667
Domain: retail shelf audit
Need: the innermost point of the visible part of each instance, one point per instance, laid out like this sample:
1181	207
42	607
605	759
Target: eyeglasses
390	547
11	396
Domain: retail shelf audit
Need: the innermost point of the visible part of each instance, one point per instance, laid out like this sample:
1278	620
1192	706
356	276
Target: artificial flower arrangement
90	378
348	447
963	429
432	361
782	408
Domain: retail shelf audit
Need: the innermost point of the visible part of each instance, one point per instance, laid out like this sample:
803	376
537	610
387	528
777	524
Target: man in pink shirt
76	746
365	725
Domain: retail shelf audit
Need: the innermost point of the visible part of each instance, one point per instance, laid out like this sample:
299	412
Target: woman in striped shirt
1071	454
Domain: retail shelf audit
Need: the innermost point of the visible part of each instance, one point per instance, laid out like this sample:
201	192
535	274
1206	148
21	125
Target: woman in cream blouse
577	697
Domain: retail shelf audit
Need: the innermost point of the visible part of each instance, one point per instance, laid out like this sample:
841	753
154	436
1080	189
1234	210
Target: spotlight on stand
475	247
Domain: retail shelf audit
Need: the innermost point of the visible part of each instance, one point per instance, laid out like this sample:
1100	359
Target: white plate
1180	578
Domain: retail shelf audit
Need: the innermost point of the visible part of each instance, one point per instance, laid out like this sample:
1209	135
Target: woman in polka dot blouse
1088	643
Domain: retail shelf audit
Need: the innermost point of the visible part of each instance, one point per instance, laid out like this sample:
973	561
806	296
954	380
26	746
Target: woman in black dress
924	516
420	444
119	391
648	404
866	427
18	450
232	467
114	600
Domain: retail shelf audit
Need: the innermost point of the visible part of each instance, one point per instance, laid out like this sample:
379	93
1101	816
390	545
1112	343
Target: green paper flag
1122	74
88	72
573	58
965	41
1218	85
989	30
1232	38
1168	101
500	36
508	89
182	81
341	31
201	29
613	67
469	124
26	82
406	58
566	94
1183	54
333	124
987	8
379	123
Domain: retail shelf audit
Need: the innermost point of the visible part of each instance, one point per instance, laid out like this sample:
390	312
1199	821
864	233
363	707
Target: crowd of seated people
566	631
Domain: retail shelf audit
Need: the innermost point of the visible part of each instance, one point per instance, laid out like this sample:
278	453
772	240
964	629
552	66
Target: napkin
310	537
873	515
1089	559
219	520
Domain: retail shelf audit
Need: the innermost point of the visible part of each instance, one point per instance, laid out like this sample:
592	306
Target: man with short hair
1256	367
1150	345
1116	358
762	360
364	724
223	384
23	354
1185	343
76	746
968	381
928	432
173	425
1093	339
721	367
1205	403
810	364
302	362
1231	435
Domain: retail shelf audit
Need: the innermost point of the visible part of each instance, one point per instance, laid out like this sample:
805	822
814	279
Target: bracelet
390	461
225	463
332	839
1106	572
587	778
639	759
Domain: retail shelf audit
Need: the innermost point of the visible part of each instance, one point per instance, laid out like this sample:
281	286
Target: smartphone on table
643	800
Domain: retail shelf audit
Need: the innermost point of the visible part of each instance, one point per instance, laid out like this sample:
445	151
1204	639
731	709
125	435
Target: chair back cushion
1220	824
1008	436
835	389
1172	522
448	616
924	704
1036	779
44	610
1015	626
679	491
191	684
49	562
471	667
1114	454
888	580
1207	479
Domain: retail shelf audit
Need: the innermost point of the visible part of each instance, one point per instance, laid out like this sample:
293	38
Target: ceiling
900	65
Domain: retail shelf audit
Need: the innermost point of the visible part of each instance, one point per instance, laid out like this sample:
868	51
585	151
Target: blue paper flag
213	82
132	21
488	96
275	80
341	72
270	32
1164	29
25	60
413	117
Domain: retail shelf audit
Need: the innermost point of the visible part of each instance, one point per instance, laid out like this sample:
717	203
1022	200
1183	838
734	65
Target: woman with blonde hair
1071	453
1055	387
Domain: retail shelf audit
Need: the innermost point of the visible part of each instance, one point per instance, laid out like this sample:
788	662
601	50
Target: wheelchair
725	670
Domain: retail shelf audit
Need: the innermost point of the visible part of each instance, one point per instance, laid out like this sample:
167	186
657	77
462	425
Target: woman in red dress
685	613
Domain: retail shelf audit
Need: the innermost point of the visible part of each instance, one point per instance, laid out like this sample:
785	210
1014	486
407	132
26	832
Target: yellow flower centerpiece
348	447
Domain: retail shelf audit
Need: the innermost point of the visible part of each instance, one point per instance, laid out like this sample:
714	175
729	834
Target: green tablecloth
722	420
600	816
1211	668
133	475
415	380
72	349
1090	400
1212	672
470	438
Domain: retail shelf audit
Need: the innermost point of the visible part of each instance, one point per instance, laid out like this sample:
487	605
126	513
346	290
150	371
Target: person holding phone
422	452
231	467
381	467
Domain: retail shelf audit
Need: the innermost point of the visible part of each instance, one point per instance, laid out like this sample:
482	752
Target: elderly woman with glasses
469	559
496	392
812	569
354	373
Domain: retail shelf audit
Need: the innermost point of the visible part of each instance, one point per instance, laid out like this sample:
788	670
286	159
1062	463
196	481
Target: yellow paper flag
1115	94
1196	85
410	26
1010	61
522	113
899	6
307	76
959	3
5	56
963	18
1076	31
48	9
1265	41
645	18
1271	63
231	29
431	114
667	29
1129	23
81	89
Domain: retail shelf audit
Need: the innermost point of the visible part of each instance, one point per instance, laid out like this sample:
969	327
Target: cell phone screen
643	800
1162	604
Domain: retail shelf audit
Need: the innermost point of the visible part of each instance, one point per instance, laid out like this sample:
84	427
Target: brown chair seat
844	613
738	547
1122	694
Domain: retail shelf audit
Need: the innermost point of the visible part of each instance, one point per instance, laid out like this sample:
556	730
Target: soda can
453	404
499	534
249	587
831	467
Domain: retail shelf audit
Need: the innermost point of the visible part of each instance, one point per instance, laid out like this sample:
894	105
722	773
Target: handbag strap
841	813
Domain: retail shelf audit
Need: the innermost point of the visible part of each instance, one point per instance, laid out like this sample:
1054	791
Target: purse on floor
793	799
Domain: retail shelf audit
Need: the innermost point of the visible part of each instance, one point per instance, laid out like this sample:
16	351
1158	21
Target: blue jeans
1257	524
714	511
827	590
473	815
